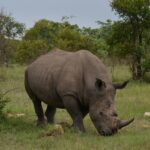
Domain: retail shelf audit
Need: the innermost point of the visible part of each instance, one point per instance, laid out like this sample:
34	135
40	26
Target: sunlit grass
21	132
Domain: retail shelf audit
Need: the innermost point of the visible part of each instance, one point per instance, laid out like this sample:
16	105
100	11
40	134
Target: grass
21	132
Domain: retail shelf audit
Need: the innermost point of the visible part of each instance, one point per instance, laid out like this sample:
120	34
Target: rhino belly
43	87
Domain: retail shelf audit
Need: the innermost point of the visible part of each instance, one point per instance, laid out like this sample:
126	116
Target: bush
146	66
146	70
146	77
3	101
27	51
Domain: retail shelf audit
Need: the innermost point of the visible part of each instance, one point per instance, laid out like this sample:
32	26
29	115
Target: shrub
146	70
3	101
27	50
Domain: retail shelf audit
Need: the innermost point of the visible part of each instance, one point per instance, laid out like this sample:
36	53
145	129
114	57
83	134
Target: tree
9	30
62	35
28	50
99	37
70	38
38	40
43	30
135	19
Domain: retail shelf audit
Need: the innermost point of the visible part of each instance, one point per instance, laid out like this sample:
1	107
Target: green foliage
37	40
88	43
88	31
146	65
135	16
101	48
9	30
43	30
3	101
69	38
120	39
146	70
128	38
137	11
120	43
99	36
27	50
46	35
3	48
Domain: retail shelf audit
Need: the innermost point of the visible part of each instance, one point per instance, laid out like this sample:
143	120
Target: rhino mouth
108	132
120	124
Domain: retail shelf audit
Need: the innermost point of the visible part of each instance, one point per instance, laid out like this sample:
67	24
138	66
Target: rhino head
102	110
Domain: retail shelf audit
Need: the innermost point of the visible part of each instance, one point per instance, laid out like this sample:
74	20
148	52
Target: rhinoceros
78	82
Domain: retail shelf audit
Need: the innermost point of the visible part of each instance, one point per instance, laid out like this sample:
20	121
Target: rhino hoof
41	123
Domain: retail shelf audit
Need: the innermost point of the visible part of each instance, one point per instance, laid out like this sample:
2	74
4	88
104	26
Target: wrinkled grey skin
78	82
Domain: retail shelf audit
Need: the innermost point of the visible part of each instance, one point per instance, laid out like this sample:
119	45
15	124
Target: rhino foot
41	123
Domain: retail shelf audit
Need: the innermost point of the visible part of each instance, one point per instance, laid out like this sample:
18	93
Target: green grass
21	132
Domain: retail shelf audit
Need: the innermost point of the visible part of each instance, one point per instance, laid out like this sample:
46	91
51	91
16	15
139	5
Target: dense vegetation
126	39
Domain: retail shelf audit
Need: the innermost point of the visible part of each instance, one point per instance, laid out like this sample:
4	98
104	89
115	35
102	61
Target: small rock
16	115
147	114
146	126
10	115
20	115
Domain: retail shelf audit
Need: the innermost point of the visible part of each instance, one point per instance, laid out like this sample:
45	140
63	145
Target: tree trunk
136	57
136	68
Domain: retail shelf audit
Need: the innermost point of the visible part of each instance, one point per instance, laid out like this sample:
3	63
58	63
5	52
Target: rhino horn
124	123
120	85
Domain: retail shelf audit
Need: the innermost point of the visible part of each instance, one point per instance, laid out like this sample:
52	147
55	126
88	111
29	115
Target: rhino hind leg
50	113
39	112
73	109
36	102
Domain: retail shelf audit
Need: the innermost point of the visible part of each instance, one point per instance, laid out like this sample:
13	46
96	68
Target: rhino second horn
124	123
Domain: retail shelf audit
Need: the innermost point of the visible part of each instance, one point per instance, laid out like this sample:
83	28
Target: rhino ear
100	84
120	85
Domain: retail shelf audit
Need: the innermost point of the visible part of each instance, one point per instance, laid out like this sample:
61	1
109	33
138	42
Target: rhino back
61	73
79	75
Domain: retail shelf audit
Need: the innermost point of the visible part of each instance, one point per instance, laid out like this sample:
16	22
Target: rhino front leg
50	112
73	109
84	112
